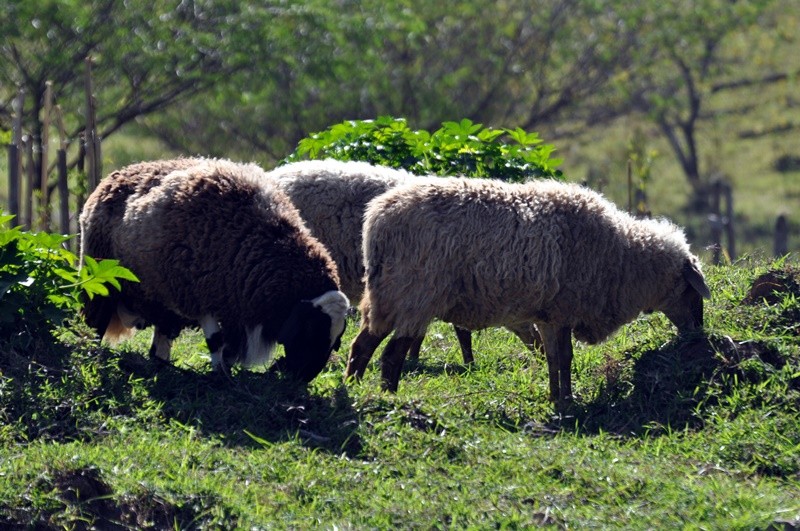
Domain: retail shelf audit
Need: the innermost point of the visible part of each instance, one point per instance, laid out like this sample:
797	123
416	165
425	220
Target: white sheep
483	253
332	197
217	243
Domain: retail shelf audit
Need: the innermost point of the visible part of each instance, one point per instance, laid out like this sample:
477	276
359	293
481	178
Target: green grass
665	433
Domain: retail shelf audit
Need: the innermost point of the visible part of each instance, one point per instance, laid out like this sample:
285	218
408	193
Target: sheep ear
293	323
694	277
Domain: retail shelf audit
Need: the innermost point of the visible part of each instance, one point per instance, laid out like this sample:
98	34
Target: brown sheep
218	244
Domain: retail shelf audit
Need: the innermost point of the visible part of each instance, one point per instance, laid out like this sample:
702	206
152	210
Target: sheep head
684	308
312	331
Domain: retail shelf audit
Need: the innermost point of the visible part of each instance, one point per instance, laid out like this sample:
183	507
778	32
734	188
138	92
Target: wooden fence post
630	187
63	184
716	222
90	136
728	220
44	200
14	156
722	191
781	246
30	181
13	180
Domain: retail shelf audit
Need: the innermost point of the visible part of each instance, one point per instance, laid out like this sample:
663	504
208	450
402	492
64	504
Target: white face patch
335	305
259	353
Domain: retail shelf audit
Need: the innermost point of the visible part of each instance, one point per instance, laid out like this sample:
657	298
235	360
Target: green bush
40	285
457	148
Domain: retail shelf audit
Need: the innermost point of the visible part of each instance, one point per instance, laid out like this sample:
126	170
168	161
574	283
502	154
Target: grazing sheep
219	244
332	196
481	253
102	213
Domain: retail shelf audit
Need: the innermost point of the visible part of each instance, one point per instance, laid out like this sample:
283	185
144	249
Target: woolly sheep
102	213
481	253
218	244
332	197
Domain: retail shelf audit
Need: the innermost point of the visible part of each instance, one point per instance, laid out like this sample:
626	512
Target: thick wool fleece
105	206
220	239
479	253
332	196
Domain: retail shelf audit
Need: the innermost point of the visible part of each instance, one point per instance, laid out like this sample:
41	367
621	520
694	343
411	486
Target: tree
146	56
303	74
429	62
682	56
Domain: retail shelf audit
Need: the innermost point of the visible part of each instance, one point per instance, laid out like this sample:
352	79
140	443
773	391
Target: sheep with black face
218	244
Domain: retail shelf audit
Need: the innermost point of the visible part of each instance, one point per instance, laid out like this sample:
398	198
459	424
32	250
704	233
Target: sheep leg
164	333
565	365
465	341
413	350
361	351
215	340
557	342
394	354
528	334
161	346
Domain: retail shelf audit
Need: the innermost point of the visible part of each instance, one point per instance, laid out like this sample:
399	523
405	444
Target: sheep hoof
389	387
565	405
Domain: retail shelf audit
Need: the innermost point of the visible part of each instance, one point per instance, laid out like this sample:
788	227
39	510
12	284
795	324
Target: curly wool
483	253
105	206
220	239
332	196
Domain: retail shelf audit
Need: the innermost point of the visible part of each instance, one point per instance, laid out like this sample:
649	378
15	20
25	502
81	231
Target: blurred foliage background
689	90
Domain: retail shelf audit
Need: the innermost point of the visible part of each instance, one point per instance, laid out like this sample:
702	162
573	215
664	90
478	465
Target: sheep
480	253
332	196
220	245
101	215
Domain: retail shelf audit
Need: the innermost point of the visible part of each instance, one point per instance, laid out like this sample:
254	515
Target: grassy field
700	432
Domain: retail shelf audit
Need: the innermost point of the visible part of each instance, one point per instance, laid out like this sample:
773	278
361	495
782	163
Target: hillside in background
753	142
692	95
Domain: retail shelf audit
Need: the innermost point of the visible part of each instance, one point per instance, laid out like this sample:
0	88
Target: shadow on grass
249	408
67	391
671	382
81	498
50	390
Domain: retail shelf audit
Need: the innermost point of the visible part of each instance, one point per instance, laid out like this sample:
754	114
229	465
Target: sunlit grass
664	433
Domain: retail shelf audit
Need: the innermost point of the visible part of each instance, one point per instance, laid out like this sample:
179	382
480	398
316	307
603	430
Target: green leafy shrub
40	286
457	148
